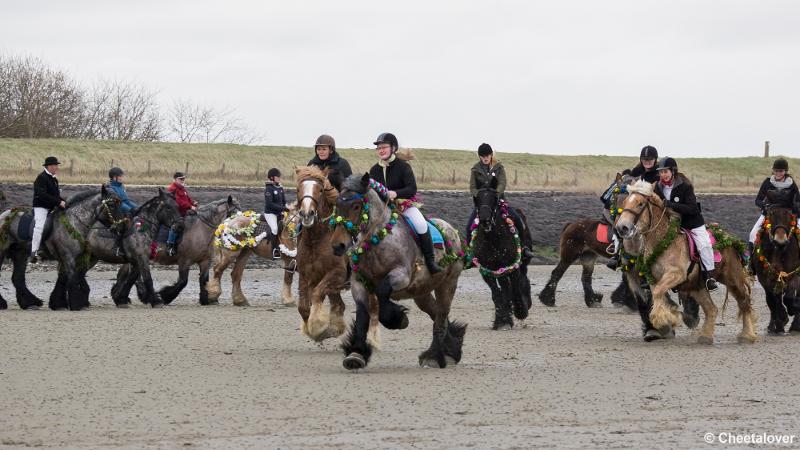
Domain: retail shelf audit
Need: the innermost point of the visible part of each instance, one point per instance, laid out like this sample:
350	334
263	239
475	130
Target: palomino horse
321	273
223	257
386	263
159	211
67	242
644	218
195	247
497	249
776	263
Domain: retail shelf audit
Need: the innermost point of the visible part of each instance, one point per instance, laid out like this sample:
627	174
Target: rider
646	170
46	197
678	194
397	176
185	204
481	175
788	195
274	206
325	157
126	207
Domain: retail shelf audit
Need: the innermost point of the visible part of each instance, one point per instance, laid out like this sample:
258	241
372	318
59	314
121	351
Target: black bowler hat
179	175
51	161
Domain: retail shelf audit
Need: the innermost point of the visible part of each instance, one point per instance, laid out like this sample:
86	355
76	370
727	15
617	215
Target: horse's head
637	208
108	211
486	202
167	211
780	219
312	188
231	205
351	205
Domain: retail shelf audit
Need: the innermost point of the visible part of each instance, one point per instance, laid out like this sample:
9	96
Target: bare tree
190	122
38	102
122	111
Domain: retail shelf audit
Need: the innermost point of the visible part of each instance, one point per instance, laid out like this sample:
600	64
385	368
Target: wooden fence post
546	177
766	149
186	170
720	180
148	167
30	165
258	167
422	175
515	177
222	169
71	166
453	179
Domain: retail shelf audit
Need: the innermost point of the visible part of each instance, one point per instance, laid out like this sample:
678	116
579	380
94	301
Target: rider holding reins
398	177
787	195
678	194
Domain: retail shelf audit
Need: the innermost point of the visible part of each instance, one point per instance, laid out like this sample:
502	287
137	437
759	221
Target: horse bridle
637	215
316	202
492	222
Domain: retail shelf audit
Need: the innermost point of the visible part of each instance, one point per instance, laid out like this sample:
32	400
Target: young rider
185	204
646	170
397	176
787	195
115	183
678	194
325	157
274	206
481	175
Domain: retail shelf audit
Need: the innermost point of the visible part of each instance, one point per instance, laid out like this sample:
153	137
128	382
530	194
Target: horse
145	223
195	247
321	272
386	263
223	257
66	242
776	264
665	261
497	251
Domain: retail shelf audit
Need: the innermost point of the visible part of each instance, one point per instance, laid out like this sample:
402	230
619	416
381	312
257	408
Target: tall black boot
427	252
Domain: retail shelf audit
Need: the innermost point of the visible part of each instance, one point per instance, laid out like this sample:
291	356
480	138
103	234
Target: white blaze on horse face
625	223
307	208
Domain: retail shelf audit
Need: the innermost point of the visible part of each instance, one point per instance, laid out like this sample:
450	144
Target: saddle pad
693	248
604	233
436	236
25	227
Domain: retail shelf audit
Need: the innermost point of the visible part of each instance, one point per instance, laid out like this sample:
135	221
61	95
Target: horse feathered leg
203	267
222	259
590	297
25	298
286	292
502	308
548	294
170	293
392	315
336	324
357	350
238	297
664	316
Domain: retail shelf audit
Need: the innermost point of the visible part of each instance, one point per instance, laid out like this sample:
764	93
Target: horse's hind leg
25	298
203	269
742	293
434	356
238	297
590	297
710	312
453	340
120	294
222	259
777	313
286	291
691	311
622	295
518	303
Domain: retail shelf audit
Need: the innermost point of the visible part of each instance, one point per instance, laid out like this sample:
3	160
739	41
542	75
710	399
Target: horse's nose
623	229
338	249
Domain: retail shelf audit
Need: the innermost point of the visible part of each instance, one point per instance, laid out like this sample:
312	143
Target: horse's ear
618	178
365	180
230	200
103	191
493	183
161	193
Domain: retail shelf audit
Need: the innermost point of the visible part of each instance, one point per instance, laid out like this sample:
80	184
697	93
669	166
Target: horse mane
353	184
642	187
81	196
305	173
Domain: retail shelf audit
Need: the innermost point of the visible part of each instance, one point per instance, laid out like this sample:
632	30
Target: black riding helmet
115	172
387	138
780	164
667	163
648	152
272	173
485	150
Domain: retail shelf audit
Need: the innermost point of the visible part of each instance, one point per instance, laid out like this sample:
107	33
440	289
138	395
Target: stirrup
276	253
714	286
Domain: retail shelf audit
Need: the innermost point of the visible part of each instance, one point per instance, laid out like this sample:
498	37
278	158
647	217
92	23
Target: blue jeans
172	236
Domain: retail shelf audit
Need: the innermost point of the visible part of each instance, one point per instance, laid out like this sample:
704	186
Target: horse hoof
213	303
123	305
503	327
652	335
746	339
429	363
618	304
242	304
548	302
450	360
705	340
32	308
595	305
354	361
157	305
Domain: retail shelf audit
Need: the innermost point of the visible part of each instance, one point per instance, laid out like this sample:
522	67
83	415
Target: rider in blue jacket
127	206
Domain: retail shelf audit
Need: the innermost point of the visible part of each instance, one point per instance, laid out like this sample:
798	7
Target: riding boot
711	283
276	251
427	252
118	249
614	261
171	241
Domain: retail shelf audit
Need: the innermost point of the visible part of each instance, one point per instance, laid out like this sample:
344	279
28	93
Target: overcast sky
693	78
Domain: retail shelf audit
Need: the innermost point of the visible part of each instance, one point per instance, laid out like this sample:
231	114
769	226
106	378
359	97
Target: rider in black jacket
325	157
46	197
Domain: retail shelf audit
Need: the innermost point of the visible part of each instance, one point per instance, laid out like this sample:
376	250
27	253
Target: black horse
159	211
496	247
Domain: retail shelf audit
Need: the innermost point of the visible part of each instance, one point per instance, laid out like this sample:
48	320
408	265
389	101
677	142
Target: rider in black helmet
274	207
646	170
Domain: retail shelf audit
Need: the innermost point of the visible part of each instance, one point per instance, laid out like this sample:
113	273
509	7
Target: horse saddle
436	236
693	247
26	223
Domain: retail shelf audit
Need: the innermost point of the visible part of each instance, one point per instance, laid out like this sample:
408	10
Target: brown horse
223	257
321	273
646	222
